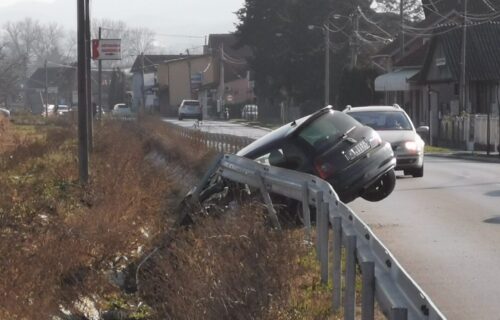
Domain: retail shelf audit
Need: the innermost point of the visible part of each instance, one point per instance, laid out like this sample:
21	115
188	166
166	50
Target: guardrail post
269	204
398	313
306	211
323	238
319	209
367	290
350	278
336	263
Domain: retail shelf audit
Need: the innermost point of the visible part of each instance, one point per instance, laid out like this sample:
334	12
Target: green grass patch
433	149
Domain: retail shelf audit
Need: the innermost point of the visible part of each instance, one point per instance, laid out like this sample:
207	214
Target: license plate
357	150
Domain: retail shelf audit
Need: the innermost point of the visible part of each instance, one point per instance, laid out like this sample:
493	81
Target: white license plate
357	150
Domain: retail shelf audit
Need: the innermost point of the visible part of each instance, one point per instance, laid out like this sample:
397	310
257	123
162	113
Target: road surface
443	228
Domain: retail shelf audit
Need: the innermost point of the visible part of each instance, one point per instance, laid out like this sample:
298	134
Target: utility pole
222	85
99	79
90	106
463	84
189	75
326	30
402	14
355	46
143	94
46	91
83	152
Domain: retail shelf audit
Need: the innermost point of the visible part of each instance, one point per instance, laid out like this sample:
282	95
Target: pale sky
165	17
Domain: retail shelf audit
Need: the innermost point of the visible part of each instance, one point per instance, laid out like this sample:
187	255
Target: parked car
335	147
4	113
122	111
190	109
250	112
62	109
395	127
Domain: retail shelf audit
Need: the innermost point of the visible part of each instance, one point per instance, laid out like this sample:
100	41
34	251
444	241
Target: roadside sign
106	49
229	98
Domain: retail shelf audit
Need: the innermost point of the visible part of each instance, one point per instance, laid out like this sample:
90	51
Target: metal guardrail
223	143
382	277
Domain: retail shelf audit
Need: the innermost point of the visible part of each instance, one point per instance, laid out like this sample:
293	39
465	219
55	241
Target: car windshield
63	107
122	106
325	130
383	120
191	103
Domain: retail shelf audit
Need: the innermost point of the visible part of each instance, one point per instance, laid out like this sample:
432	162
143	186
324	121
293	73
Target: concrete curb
470	157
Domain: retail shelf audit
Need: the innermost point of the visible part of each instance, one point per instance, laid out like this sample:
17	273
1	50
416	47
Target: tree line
288	43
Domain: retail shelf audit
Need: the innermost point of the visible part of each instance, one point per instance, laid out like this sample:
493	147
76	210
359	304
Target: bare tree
412	8
10	77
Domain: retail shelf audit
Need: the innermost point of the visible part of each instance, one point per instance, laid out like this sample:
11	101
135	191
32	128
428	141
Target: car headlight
411	146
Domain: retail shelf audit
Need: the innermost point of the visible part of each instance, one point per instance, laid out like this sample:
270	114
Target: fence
472	129
382	277
223	143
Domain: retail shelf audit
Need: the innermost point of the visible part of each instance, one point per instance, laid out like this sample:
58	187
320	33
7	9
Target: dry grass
58	239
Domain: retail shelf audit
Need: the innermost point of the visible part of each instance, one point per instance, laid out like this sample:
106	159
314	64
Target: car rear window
192	103
326	129
122	106
383	120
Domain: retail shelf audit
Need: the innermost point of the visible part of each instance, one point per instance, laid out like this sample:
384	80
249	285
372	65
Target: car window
383	120
191	103
325	130
122	106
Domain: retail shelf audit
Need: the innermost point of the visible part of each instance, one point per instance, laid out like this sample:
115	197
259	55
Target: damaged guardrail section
383	279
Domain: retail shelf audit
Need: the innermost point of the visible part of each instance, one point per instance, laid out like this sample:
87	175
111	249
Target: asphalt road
443	228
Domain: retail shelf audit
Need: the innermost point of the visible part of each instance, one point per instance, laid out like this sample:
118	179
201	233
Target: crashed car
335	147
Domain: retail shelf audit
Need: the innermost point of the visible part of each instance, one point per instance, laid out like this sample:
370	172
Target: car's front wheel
382	188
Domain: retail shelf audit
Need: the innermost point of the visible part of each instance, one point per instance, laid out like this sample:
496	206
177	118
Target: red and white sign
106	49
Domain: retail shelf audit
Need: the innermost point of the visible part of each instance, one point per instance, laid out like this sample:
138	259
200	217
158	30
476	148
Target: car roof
373	108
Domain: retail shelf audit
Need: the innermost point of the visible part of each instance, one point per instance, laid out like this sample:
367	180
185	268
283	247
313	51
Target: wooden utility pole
463	84
326	31
355	45
46	91
143	93
402	14
90	107
99	80
83	151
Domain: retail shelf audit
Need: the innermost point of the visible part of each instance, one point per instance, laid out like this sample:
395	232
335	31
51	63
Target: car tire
180	118
299	214
382	188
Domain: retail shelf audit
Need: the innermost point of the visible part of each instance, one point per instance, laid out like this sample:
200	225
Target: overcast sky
165	17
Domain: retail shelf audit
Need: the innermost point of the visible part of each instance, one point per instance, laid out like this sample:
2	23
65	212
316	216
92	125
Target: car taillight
324	169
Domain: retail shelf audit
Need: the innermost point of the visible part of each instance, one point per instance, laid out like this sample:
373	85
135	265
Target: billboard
106	49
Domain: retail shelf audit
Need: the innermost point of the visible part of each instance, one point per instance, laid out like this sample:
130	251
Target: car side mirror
423	129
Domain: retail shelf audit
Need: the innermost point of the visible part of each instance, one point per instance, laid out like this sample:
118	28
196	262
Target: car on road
395	127
4	113
122	111
334	146
250	112
190	109
62	110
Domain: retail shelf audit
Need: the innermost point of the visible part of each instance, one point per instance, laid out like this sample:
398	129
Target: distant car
4	113
250	112
190	109
335	147
395	127
122	111
62	109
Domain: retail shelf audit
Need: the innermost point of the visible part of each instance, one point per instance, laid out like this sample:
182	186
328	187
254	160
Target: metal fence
382	277
223	143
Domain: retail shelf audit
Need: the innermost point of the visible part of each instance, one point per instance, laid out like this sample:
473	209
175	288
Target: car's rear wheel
180	118
382	188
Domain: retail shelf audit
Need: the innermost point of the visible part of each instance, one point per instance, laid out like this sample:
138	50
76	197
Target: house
61	83
181	79
145	80
62	87
425	77
232	86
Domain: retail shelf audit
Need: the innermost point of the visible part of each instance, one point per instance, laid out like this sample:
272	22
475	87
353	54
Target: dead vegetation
59	241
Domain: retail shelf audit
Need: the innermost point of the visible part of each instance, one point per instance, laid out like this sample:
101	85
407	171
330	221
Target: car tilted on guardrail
331	145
